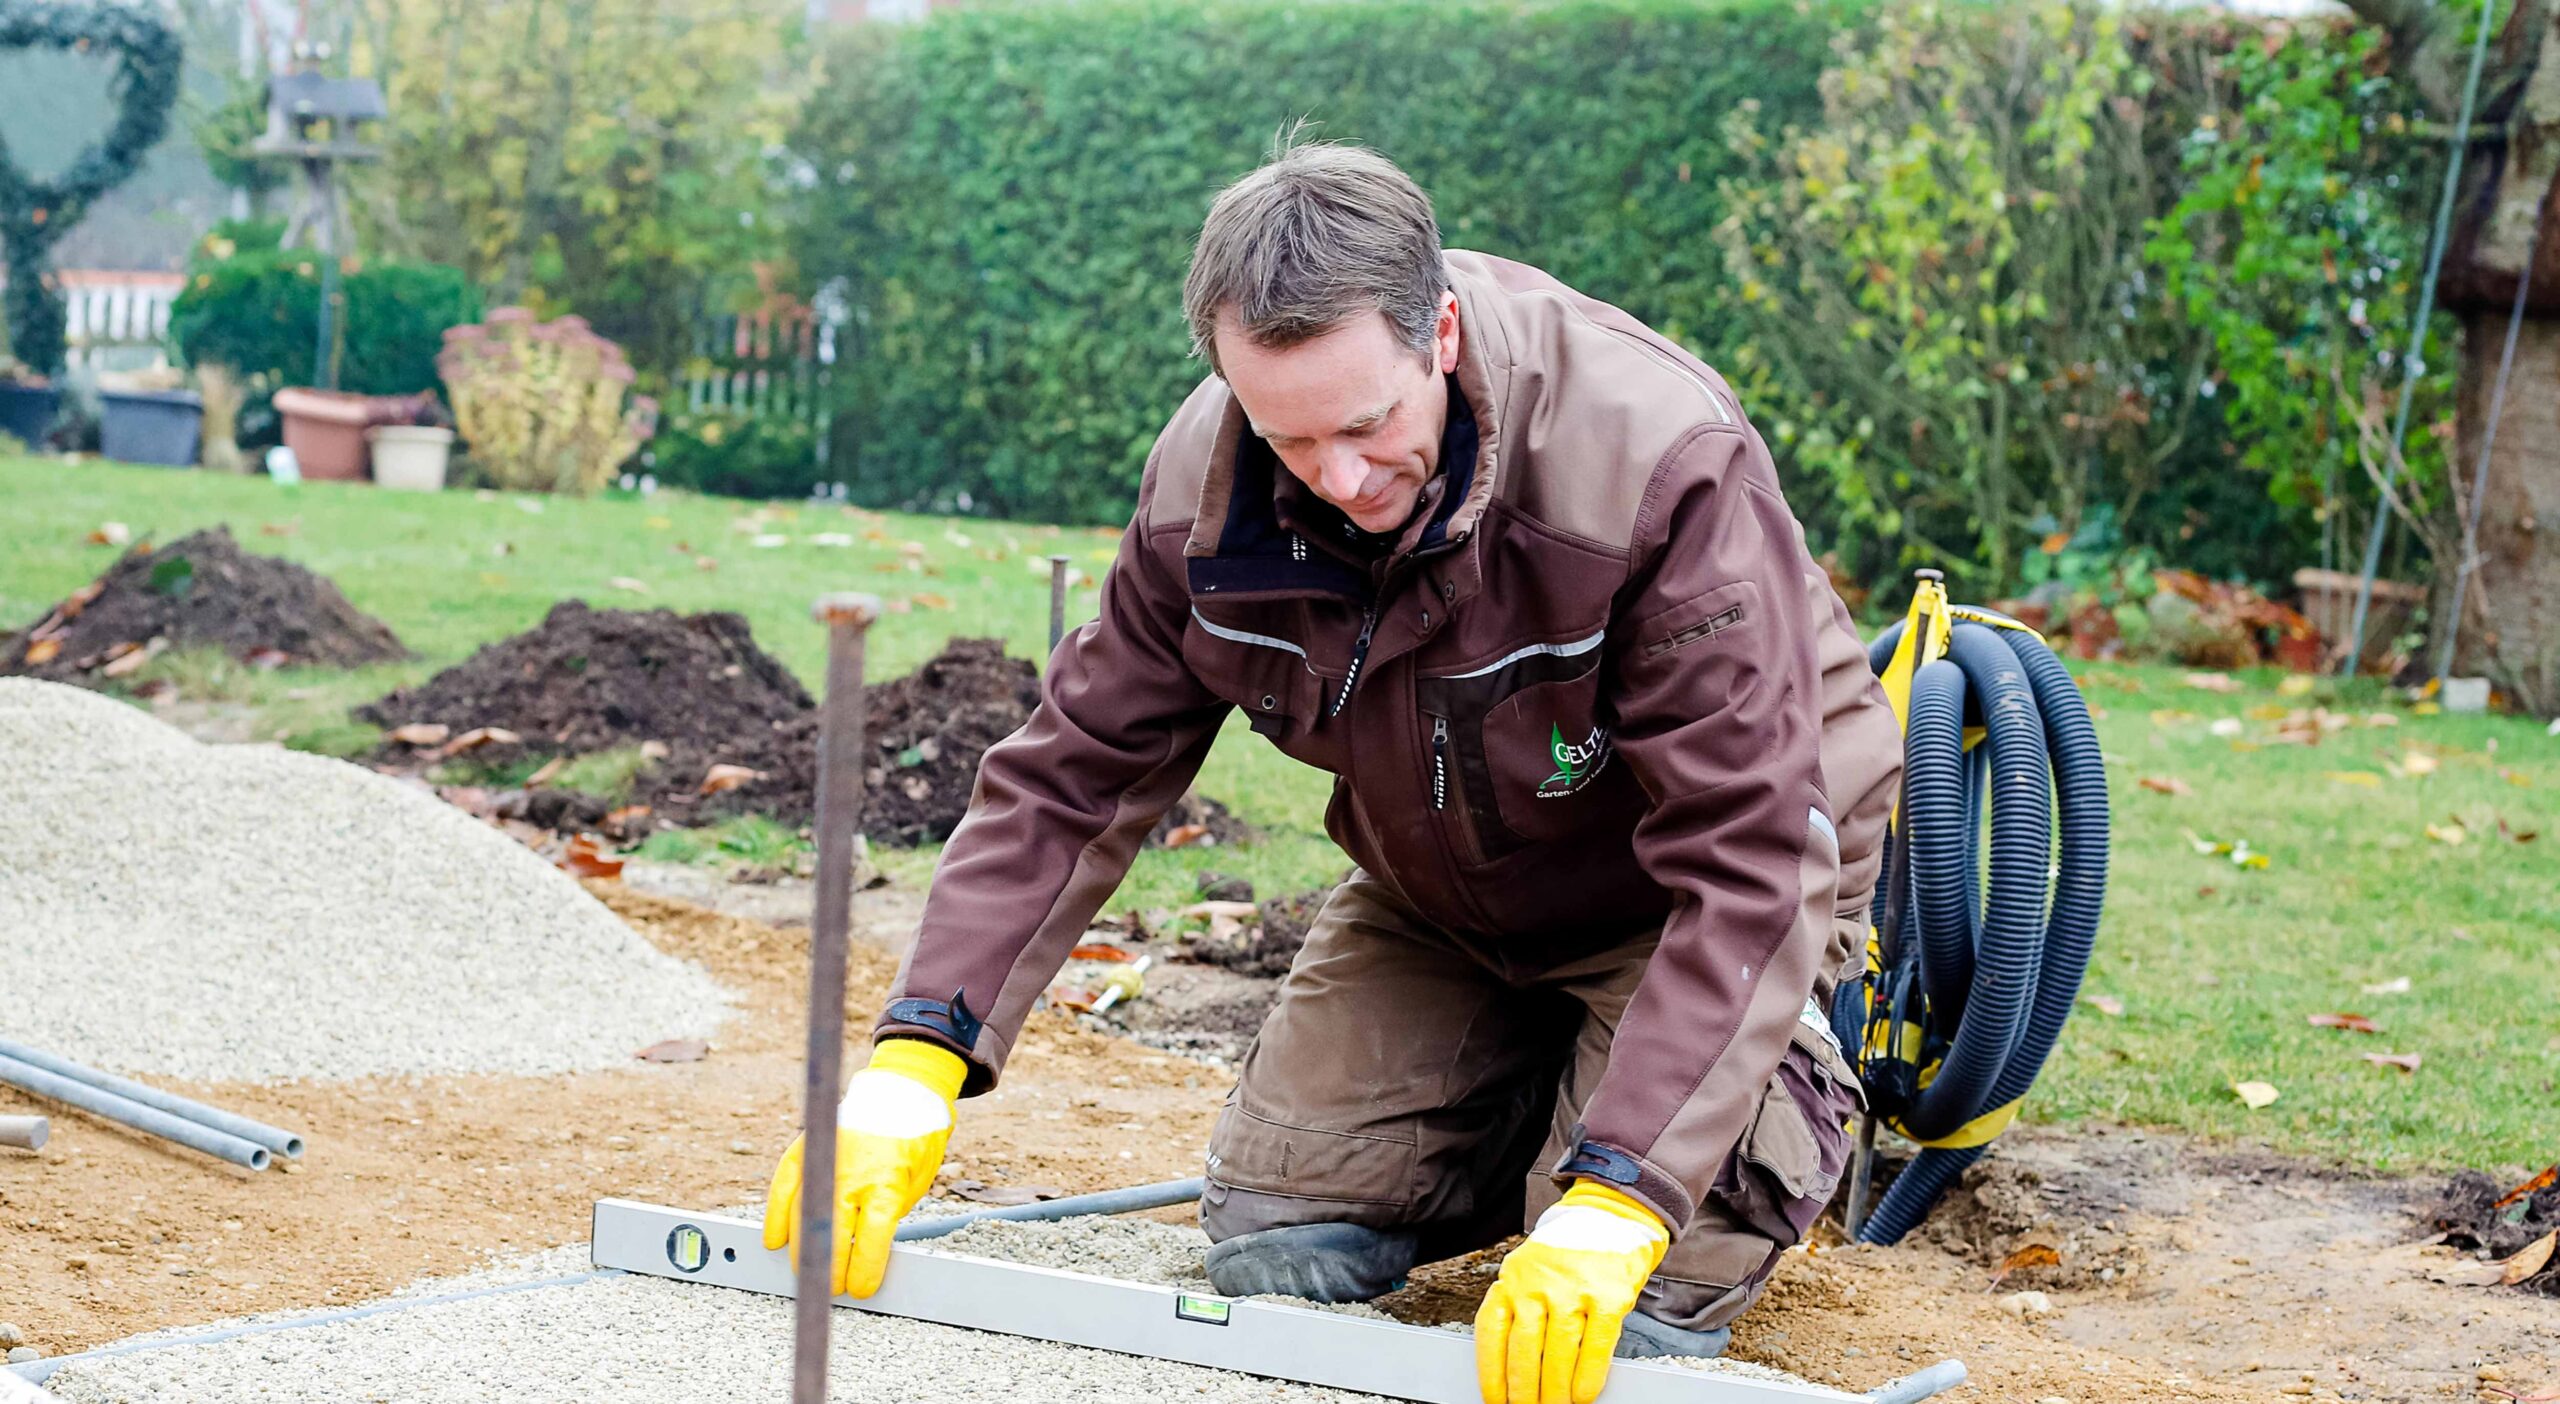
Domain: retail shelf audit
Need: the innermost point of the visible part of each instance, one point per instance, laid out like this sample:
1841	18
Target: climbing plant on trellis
34	214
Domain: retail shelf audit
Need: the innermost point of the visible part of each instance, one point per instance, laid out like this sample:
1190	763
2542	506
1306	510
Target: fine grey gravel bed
222	913
641	1340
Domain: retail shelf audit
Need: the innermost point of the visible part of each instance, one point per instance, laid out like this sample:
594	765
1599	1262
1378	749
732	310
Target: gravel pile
639	1340
218	913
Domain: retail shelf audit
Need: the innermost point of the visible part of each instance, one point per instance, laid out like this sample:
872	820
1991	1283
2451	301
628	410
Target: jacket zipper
1439	762
1359	655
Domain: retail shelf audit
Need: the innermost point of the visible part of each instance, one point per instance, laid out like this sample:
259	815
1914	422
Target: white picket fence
117	321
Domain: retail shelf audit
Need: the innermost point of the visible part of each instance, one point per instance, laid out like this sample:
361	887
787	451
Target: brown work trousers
1409	1080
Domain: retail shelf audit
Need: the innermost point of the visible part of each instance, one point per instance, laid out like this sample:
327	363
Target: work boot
1320	1262
1645	1337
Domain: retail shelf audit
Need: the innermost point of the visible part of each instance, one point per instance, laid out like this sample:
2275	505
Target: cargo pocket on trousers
1256	1153
1790	1158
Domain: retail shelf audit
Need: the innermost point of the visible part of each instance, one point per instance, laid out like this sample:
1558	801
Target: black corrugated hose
1985	973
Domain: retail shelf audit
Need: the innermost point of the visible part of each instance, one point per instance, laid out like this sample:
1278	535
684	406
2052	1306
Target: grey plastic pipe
1919	1384
274	1138
1118	1201
24	1132
194	1135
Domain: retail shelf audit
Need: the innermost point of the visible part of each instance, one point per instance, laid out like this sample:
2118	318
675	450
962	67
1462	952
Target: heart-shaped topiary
35	214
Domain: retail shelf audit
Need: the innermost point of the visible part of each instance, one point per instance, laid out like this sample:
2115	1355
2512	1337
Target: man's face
1354	414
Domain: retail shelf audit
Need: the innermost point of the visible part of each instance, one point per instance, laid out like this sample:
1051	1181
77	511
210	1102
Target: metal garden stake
1057	601
848	618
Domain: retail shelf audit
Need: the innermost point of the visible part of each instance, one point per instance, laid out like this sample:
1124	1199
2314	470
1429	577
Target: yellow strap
1925	633
1979	1131
932	1064
1976	614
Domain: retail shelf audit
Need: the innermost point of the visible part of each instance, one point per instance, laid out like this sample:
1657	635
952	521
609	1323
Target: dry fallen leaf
625	582
2419	763
1184	835
2448	832
2167	785
2463	1272
2212	682
728	777
654	750
476	738
930	600
674	1050
625	816
2398	984
2226	726
2356	777
1072	998
2352	1023
2256	1094
2530	1260
2294	686
584	858
542	776
43	651
2108	1005
1100	950
2515	835
127	659
111	534
2549	1177
2032	1254
2405	1062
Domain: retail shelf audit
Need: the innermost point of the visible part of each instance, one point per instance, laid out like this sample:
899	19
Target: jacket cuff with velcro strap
1632	1175
947	1023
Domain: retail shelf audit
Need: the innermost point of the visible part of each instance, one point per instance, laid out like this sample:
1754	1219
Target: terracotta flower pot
325	429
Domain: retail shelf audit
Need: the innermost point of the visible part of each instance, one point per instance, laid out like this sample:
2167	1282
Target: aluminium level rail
1249	1337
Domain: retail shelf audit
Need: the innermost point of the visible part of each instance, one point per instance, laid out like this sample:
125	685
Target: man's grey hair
1321	233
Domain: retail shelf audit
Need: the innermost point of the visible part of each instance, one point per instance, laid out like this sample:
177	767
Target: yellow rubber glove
1549	1326
890	1133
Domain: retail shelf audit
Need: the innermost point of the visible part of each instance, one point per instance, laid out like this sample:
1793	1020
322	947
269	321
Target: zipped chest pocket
1520	750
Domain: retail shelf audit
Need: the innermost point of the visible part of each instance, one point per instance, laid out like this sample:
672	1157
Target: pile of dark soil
1196	818
586	680
925	732
2486	1215
199	591
1266	947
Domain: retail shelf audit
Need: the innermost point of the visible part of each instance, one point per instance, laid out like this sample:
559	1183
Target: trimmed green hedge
1010	195
255	307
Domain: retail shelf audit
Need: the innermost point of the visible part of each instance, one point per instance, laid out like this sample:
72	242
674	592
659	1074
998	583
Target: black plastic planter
151	426
27	412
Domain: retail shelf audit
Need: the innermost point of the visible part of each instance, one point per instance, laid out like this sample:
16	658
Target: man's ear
1446	339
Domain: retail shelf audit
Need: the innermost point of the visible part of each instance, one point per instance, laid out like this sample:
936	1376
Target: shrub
254	307
735	455
1950	326
544	406
1009	196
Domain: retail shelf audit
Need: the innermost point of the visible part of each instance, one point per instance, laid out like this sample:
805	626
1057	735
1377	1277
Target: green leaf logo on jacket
1576	764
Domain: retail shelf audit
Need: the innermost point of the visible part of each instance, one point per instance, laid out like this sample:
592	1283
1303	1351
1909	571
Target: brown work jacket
1598	687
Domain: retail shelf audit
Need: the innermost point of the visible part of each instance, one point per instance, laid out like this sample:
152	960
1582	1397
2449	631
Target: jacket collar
1240	544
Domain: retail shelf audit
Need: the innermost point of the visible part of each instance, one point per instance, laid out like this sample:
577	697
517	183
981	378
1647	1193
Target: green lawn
2216	967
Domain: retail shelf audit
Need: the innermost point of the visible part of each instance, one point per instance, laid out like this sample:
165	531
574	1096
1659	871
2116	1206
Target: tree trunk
2510	628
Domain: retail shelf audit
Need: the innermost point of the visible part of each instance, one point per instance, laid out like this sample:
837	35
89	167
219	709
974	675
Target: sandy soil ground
2183	1273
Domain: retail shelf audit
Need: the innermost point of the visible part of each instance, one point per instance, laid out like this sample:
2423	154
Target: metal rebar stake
840	750
1057	601
1862	1169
